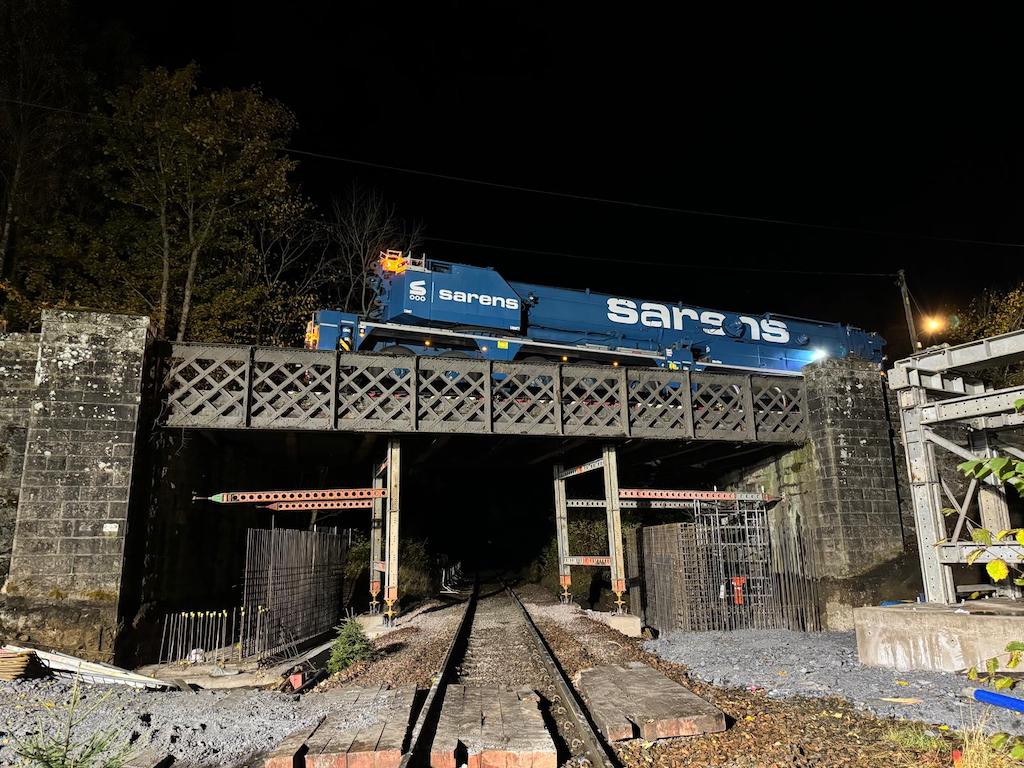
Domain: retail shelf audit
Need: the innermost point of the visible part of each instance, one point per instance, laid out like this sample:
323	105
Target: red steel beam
293	506
646	493
325	494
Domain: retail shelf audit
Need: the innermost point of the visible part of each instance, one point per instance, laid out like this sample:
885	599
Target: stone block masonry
858	520
80	445
18	354
841	490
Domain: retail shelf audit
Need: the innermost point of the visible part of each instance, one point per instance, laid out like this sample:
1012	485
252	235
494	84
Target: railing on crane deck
238	387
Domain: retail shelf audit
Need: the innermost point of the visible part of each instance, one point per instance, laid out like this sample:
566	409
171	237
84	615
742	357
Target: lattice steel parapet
238	387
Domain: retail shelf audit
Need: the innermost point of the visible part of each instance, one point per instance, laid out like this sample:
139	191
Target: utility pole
901	279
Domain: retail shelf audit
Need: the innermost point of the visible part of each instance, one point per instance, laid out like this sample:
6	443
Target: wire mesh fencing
292	591
728	568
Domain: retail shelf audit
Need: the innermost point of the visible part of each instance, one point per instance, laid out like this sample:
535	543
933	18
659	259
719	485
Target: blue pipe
998	699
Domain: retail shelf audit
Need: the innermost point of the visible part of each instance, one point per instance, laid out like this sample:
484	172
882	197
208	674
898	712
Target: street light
934	324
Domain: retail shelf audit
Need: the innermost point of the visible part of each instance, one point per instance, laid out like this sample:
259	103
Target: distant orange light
565	358
615	363
934	324
426	343
394	262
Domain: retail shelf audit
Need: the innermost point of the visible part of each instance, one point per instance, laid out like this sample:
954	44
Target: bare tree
296	265
364	225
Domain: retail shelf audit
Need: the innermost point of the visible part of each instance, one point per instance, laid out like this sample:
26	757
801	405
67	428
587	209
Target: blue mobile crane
431	307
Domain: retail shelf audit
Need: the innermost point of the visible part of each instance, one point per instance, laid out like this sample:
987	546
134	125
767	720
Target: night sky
896	124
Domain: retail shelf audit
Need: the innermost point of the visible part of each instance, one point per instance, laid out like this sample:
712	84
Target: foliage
417	571
39	64
995	312
588	534
979	750
1010	472
351	645
60	742
916	738
194	169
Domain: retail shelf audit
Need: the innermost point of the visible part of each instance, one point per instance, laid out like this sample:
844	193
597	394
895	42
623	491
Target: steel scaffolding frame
935	389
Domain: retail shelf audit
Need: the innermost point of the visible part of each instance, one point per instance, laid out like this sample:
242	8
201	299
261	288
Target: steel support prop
376	543
562	534
995	513
926	493
611	495
391	555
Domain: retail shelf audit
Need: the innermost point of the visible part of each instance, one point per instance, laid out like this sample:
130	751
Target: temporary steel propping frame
935	390
239	387
614	501
384	529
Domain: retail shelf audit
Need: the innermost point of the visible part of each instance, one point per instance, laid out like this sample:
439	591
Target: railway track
498	654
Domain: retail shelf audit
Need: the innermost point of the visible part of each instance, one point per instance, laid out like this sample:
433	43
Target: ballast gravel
823	664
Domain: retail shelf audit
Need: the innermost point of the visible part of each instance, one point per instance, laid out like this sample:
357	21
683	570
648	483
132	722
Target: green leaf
972	673
974	555
1014	660
1020	538
968	467
1006	532
947	511
997	463
991	665
998	570
1017	751
1004	683
999	740
1019	404
1018	582
1014	645
982	536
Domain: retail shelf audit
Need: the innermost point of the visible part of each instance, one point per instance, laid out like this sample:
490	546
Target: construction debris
71	667
20	665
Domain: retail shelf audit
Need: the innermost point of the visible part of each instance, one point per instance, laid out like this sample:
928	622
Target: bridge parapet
240	387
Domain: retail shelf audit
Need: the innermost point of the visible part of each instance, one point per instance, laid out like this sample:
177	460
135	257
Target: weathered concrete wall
841	490
73	508
18	353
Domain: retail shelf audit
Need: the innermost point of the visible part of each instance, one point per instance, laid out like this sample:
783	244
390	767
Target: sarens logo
418	292
655	315
483	299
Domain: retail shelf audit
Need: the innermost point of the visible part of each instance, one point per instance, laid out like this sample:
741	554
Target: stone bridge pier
72	397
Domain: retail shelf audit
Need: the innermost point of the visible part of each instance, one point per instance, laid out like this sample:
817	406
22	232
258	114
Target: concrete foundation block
937	638
373	624
626	623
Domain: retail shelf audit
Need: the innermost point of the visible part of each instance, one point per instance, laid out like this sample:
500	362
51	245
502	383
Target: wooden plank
388	753
291	752
657	706
446	737
493	744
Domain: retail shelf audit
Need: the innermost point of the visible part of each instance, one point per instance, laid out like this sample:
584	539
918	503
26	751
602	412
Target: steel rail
599	754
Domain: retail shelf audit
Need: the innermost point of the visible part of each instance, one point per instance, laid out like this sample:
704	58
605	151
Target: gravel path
225	728
206	728
787	664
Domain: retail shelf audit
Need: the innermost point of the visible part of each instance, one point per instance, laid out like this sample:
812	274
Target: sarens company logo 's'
655	315
418	292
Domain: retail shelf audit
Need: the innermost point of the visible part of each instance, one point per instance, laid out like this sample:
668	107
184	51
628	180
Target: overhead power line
612	260
596	198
